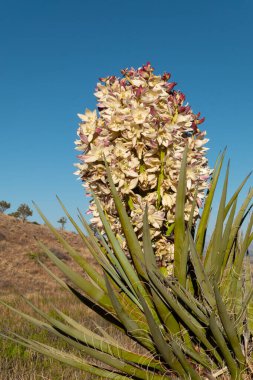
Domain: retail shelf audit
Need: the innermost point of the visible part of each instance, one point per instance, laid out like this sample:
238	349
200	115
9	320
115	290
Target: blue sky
53	52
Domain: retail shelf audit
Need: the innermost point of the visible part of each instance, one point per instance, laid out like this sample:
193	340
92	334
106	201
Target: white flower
89	116
184	119
155	217
137	82
140	114
168	200
121	151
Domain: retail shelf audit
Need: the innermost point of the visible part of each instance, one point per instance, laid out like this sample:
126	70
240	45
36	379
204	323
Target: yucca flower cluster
141	129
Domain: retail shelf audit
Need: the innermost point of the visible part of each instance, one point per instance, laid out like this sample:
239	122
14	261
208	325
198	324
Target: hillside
19	269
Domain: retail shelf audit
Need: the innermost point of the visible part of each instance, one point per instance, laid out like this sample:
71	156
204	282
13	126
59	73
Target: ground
21	274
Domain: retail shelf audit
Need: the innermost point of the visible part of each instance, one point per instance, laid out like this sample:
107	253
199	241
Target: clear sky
54	51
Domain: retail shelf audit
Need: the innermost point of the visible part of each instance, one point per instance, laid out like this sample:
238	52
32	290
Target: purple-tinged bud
204	177
83	138
181	109
194	127
199	202
200	121
98	130
131	72
112	79
123	82
124	71
180	97
153	111
144	74
148	67
166	76
139	91
170	86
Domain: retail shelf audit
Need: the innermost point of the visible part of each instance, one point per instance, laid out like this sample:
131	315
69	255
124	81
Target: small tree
62	222
24	212
4	206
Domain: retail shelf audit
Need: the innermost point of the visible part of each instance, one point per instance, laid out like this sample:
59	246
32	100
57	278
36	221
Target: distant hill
19	269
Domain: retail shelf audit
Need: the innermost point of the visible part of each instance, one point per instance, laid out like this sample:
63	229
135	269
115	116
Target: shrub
24	212
15	214
62	222
4	206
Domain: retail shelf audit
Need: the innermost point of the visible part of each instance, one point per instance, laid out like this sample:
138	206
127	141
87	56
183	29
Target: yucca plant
196	324
184	302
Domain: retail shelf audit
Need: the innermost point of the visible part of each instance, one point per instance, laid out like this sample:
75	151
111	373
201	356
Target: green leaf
229	327
126	269
96	294
180	255
150	262
185	364
66	358
241	314
166	315
193	207
77	257
221	343
188	300
131	326
133	245
198	357
235	195
100	311
149	255
56	278
202	227
202	278
225	237
186	318
162	346
237	224
238	263
131	238
217	257
78	332
106	345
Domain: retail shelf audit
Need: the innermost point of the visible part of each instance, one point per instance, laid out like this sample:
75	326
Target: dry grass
19	363
18	251
21	273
